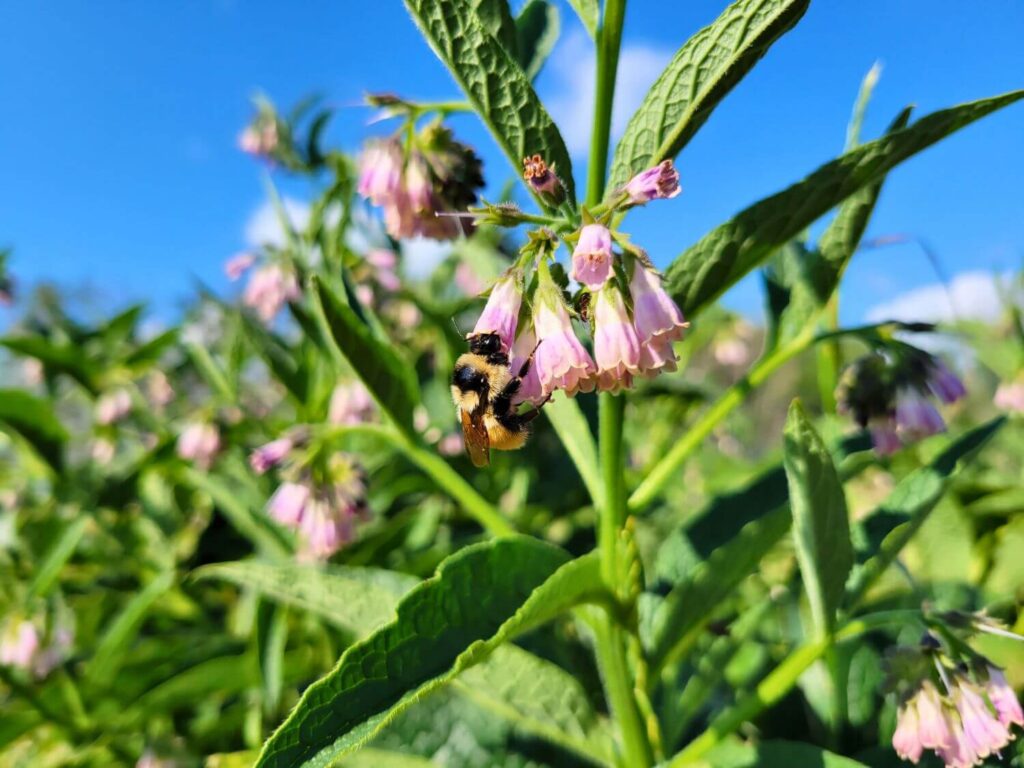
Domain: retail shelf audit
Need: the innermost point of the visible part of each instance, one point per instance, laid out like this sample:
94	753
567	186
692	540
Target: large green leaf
494	83
479	598
889	528
775	754
61	549
537	33
724	255
33	419
821	523
496	17
357	600
539	698
699	76
390	380
589	12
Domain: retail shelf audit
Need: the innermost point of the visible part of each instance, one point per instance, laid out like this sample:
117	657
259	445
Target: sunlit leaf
33	419
537	33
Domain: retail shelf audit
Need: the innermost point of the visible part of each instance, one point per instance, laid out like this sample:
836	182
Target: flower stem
665	470
609	39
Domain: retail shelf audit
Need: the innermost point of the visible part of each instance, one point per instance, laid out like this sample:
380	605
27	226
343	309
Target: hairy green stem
611	639
780	681
666	469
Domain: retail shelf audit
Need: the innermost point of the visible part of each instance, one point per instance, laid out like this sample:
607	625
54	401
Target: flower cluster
261	137
23	645
633	321
435	174
889	393
112	407
321	505
952	700
268	289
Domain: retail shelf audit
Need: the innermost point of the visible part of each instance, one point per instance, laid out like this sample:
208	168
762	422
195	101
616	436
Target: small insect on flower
483	388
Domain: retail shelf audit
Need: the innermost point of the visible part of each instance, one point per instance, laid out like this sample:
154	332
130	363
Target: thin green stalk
613	505
666	469
780	681
829	360
610	642
609	38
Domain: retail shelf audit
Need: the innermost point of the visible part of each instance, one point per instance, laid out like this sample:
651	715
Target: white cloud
572	102
969	296
263	226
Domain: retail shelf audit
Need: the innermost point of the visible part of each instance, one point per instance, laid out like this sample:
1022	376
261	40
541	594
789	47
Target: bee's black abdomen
468	380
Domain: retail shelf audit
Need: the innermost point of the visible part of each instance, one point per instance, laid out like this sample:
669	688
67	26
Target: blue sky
119	166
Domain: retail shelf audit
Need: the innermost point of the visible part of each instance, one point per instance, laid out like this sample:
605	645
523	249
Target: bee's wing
478	444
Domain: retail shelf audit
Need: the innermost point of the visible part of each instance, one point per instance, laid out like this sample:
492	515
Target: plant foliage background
706	568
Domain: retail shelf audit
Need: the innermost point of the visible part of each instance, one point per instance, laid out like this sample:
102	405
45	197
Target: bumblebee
483	387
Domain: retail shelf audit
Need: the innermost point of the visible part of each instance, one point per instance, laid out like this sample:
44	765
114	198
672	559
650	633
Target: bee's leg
525	367
529	416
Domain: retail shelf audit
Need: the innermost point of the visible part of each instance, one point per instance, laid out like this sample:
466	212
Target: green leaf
122	630
539	698
589	12
358	600
390	380
891	527
494	83
379	758
821	523
496	17
279	358
775	754
572	429
479	598
537	32
33	419
724	255
61	358
148	353
210	371
58	554
702	72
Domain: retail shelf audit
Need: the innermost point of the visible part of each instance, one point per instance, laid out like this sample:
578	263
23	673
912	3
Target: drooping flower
385	264
451	444
657	319
659	182
158	389
530	391
102	451
981	733
945	384
616	346
501	313
239	264
113	406
1002	698
380	171
922	723
260	138
884	436
916	417
560	359
199	442
466	280
268	289
270	454
592	257
288	503
351	403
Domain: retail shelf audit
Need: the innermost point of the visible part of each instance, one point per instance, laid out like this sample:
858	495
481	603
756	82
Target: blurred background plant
197	522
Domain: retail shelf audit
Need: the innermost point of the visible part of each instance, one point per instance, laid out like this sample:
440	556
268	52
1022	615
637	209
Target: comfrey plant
283	545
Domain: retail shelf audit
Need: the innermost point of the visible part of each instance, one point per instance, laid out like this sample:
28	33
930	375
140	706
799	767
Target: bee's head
484	343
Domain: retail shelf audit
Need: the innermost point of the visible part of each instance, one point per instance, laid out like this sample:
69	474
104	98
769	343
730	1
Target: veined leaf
572	429
389	379
821	523
702	72
479	598
379	758
32	418
496	17
537	32
539	698
358	600
494	83
724	255
891	527
589	12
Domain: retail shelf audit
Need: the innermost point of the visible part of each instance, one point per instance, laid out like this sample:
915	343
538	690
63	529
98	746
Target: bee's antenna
455	325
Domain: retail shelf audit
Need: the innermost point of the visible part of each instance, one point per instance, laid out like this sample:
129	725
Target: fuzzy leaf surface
479	598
